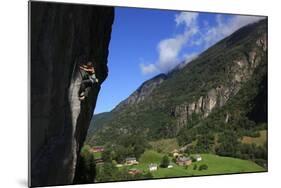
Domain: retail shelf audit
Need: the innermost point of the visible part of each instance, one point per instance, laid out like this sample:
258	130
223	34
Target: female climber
88	79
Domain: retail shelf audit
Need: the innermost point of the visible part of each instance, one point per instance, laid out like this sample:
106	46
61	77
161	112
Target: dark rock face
62	37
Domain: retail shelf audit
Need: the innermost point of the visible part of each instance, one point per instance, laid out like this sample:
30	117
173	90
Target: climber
88	79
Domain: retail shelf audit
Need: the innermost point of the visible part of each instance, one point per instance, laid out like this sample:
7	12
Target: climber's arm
82	67
89	70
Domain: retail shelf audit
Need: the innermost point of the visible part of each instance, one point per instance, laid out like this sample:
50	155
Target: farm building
175	153
98	161
198	158
131	161
152	167
182	161
119	165
134	171
96	149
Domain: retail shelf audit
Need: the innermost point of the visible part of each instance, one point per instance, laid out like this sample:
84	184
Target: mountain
98	120
221	92
142	92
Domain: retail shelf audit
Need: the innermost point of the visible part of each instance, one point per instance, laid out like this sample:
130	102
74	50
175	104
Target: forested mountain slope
208	105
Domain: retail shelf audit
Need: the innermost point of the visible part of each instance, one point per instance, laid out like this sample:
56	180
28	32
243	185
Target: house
182	161
119	165
134	171
198	157
96	149
152	167
98	161
131	161
170	166
175	153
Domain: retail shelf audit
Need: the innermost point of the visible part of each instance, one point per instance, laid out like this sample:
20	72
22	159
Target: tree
121	153
193	159
203	167
86	167
165	161
195	167
107	172
138	149
106	155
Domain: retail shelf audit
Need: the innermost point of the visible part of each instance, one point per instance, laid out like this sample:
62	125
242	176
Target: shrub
165	161
86	167
203	167
195	167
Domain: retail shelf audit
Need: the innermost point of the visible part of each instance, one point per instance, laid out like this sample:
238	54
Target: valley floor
216	165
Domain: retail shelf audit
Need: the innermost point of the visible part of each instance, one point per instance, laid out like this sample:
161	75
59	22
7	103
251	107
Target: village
175	158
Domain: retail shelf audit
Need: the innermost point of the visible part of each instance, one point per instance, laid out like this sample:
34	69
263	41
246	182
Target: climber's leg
83	91
86	93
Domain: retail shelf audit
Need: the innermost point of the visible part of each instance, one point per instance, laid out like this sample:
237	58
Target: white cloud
187	18
188	58
170	48
148	69
224	27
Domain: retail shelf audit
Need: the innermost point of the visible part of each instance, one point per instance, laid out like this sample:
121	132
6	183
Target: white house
131	161
119	165
198	158
152	167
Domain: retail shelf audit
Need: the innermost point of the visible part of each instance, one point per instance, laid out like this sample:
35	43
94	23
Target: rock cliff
240	71
62	37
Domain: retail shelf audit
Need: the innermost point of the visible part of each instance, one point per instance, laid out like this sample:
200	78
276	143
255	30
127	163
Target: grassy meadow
216	165
259	141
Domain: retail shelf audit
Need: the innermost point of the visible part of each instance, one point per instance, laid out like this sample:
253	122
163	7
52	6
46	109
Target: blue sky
146	42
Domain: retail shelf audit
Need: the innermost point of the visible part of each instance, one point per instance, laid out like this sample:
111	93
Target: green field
97	155
259	141
216	165
165	145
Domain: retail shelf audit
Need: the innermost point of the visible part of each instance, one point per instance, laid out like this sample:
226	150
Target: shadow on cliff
87	107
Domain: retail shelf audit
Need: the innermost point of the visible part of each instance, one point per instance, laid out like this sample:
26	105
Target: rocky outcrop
203	105
142	92
240	72
62	37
